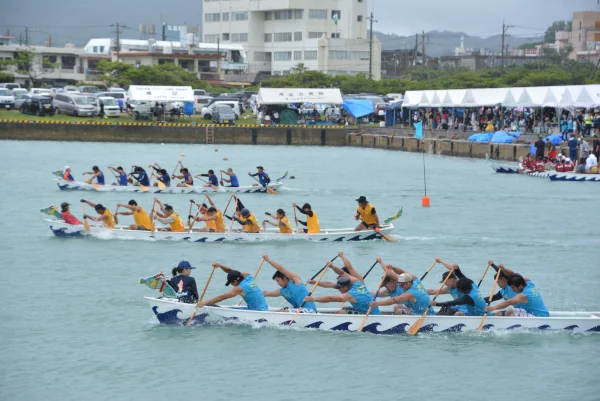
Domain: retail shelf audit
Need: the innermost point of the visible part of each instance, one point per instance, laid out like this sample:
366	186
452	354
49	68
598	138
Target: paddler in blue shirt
263	178
292	288
122	175
527	302
414	300
463	304
505	292
97	174
233	181
162	175
186	177
390	283
140	175
244	286
213	181
350	284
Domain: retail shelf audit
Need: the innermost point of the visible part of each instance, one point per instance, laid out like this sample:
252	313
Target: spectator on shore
539	148
552	153
584	150
572	148
580	123
596	146
591	164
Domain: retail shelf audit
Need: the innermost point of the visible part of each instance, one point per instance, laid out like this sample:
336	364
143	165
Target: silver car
74	104
223	115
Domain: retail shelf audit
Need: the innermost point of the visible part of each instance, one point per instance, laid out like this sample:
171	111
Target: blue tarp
481	137
359	107
555	139
502	137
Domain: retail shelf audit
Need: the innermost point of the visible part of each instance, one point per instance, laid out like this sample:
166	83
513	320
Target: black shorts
305	230
365	225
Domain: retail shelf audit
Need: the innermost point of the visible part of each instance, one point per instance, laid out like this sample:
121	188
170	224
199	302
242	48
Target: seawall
253	135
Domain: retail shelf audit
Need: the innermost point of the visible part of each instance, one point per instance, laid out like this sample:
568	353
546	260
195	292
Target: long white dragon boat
574	177
65	185
514	169
169	311
61	229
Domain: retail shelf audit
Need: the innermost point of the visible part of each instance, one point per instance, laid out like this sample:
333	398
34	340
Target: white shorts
518	312
303	310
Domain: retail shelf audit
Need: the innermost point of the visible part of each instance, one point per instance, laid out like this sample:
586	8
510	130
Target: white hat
65	169
405	278
568	160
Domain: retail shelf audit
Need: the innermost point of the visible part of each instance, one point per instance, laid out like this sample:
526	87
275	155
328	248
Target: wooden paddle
232	216
154	218
201	297
386	237
175	169
190	212
88	180
115	215
255	275
309	294
414	329
362	325
86	225
161	185
296	219
484	273
268	189
490	299
97	187
428	270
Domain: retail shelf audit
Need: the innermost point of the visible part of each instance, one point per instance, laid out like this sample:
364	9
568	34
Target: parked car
223	114
19	99
40	91
111	108
10	85
71	89
76	105
117	90
380	110
38	105
199	92
140	110
19	91
208	110
201	101
7	100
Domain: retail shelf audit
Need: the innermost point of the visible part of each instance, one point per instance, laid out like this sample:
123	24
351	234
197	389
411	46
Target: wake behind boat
65	185
61	229
169	311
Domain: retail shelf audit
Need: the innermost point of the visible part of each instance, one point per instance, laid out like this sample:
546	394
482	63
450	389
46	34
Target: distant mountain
443	43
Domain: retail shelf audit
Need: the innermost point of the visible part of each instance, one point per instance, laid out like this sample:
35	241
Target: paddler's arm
272	294
331	298
231	294
222	267
290	275
390	269
496	297
448	265
406	297
92	204
374	213
210	201
518	299
464	300
350	268
324	284
433	291
383	293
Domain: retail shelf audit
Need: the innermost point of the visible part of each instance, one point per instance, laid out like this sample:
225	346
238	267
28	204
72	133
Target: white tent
483	97
512	95
436	100
152	93
411	98
533	96
593	91
295	95
454	98
585	99
553	96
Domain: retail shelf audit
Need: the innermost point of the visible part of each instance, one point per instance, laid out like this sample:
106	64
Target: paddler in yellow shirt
312	220
105	217
211	216
140	217
369	220
282	222
247	220
168	216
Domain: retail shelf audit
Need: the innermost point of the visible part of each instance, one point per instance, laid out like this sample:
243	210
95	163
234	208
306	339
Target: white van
7	100
76	105
10	85
111	108
40	91
200	103
234	104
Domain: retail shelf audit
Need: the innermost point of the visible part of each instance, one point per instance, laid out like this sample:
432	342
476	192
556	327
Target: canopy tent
454	98
436	99
553	96
593	91
512	95
533	97
412	98
168	94
359	107
294	95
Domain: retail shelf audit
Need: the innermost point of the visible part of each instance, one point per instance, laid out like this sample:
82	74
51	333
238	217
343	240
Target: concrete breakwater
300	136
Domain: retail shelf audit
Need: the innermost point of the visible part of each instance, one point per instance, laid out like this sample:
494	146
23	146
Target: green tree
34	67
299	68
556	26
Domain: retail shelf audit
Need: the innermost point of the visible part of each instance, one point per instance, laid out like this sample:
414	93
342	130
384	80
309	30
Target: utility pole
423	51
371	46
118	32
416	47
26	36
425	61
504	29
219	56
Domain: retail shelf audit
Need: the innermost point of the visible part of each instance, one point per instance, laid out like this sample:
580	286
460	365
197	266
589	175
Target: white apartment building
277	35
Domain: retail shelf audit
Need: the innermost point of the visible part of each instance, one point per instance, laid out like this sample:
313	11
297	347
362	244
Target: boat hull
82	186
64	230
172	312
574	177
514	169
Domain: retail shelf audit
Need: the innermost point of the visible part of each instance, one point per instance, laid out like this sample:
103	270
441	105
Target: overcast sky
78	20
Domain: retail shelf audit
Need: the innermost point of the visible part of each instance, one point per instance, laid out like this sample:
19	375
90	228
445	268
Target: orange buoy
425	201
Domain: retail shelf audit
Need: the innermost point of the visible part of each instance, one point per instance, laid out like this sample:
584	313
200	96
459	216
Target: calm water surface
75	325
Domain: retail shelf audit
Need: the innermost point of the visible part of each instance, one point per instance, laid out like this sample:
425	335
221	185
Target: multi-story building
325	35
584	37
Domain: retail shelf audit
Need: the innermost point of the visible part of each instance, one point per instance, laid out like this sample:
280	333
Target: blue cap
184	264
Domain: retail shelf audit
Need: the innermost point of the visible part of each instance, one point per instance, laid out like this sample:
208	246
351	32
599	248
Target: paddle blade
388	238
88	181
97	187
414	329
144	188
271	191
191	318
161	186
188	185
86	225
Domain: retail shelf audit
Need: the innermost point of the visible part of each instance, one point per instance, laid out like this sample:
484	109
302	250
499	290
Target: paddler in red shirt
67	216
540	166
526	164
568	165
